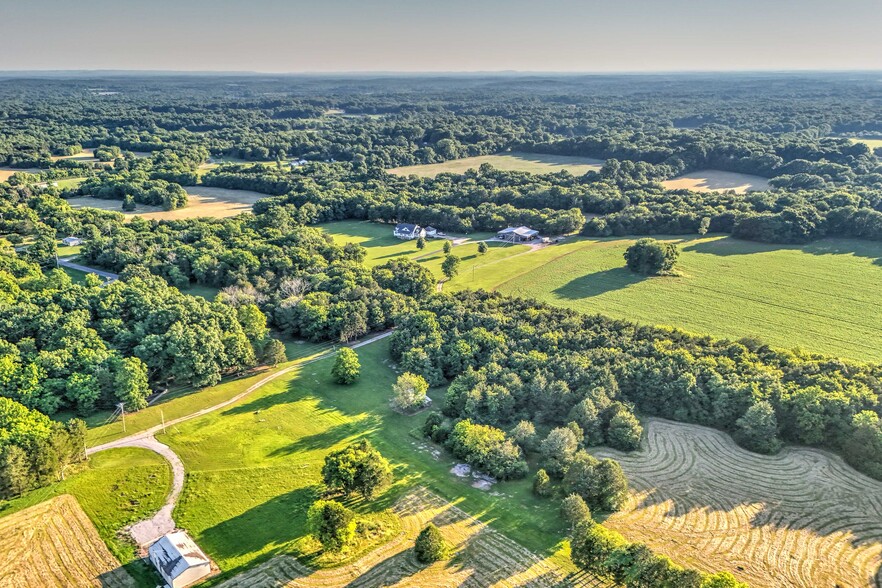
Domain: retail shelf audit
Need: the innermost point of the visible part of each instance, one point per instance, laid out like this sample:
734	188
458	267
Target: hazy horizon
400	37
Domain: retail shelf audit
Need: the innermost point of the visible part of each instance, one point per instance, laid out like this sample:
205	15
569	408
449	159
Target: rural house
72	241
517	234
179	560
409	231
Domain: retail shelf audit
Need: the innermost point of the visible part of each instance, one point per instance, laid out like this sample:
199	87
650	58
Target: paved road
66	262
149	530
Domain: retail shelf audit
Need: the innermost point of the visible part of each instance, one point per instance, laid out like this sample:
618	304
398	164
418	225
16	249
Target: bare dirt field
54	544
530	162
204	201
802	518
709	180
483	558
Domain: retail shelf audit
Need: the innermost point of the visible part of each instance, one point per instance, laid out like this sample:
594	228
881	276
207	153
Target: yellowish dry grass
204	201
528	162
54	544
7	172
798	519
710	180
482	557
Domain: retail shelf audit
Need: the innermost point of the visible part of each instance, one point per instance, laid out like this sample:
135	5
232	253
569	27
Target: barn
179	560
518	234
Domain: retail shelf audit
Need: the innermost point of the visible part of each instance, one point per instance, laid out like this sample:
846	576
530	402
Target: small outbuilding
518	234
72	241
431	232
179	560
408	231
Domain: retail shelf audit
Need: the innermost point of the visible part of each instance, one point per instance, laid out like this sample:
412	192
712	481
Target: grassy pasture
711	180
535	163
821	297
800	519
253	468
116	488
382	246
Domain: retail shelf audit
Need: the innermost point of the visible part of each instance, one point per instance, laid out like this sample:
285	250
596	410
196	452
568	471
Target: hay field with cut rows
800	519
483	558
54	544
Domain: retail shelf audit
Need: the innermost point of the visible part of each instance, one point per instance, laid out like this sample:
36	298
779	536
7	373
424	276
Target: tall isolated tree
450	266
346	368
357	468
651	257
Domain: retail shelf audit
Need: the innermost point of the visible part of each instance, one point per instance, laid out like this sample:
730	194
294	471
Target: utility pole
122	408
162	416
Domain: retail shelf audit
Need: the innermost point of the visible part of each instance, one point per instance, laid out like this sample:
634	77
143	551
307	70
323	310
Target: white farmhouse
179	560
408	231
72	241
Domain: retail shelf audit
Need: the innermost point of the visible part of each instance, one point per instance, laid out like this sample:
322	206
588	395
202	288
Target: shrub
409	391
430	545
574	510
542	484
331	523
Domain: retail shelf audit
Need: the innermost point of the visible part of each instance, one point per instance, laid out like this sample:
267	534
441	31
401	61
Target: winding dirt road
149	530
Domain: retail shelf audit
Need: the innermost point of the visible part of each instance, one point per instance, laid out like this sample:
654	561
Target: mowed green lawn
535	163
116	488
382	246
254	469
822	297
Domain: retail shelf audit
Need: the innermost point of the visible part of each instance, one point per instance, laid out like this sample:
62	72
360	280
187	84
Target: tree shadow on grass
329	437
728	246
597	283
270	527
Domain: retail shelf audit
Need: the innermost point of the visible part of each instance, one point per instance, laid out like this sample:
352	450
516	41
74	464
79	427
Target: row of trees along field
622	198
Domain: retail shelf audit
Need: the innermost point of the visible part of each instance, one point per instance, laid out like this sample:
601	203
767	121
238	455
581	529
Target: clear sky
440	35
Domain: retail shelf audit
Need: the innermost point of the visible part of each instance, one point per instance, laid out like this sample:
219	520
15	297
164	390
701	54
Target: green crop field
116	488
536	163
253	468
822	297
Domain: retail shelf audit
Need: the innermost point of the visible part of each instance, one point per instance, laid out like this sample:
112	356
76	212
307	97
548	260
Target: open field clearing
253	468
7	172
382	246
115	489
711	180
180	402
84	156
871	143
535	163
799	519
821	296
204	201
55	544
484	557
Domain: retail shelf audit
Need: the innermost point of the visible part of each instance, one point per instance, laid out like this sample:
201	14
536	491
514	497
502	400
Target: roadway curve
149	530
